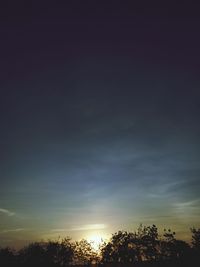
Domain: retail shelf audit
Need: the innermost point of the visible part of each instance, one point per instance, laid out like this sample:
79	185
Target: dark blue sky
99	120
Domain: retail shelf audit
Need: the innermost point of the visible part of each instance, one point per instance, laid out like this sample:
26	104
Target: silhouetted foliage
142	248
172	249
52	254
60	253
146	246
196	244
132	247
167	245
33	255
7	257
84	254
196	238
121	248
148	241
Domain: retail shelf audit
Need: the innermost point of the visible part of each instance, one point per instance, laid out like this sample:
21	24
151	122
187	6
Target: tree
181	249
59	253
33	255
52	254
167	245
196	245
196	238
148	242
122	247
84	253
7	257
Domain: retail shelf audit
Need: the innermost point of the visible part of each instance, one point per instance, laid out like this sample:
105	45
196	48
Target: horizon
96	238
99	120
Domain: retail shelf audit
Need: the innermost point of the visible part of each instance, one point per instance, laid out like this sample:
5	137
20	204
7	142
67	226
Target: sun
96	240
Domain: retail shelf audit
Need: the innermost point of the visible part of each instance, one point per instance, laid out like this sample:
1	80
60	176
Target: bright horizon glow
96	240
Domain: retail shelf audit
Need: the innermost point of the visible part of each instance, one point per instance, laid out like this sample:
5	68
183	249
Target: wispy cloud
7	212
188	204
12	230
188	209
82	228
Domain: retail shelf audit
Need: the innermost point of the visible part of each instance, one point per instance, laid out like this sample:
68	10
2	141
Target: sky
99	113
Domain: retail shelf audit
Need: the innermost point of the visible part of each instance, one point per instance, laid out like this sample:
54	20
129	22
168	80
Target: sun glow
96	240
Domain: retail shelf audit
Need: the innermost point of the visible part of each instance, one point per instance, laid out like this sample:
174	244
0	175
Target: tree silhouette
142	248
167	245
196	244
196	238
148	242
59	253
7	257
84	253
33	255
121	248
51	254
127	247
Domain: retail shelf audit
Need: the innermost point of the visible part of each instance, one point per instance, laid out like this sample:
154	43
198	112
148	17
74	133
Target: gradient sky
99	112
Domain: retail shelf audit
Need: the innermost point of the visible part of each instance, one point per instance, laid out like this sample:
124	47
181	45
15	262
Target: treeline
144	247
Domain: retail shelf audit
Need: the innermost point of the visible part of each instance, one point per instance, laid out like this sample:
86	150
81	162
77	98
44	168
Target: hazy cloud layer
100	127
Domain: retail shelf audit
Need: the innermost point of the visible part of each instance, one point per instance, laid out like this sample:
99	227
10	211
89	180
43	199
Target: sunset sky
99	113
